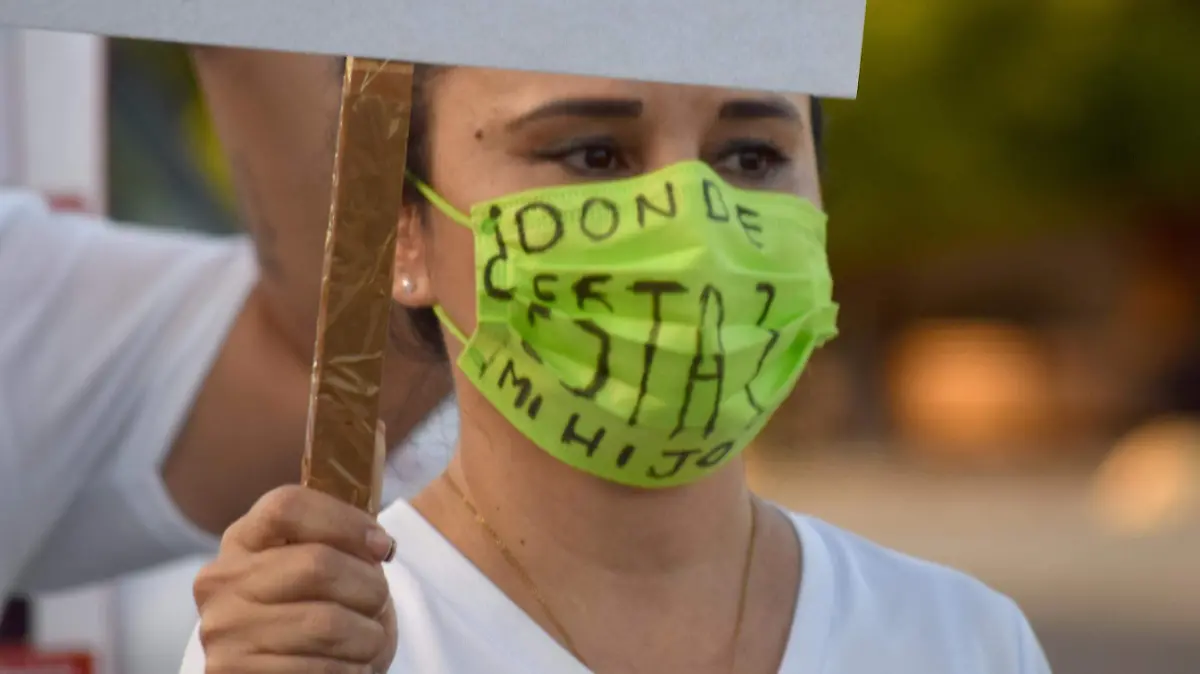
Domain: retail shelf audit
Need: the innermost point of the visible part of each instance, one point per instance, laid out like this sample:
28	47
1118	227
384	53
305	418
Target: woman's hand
298	587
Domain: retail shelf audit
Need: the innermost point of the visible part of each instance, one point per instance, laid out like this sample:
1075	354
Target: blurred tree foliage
976	121
1001	118
165	164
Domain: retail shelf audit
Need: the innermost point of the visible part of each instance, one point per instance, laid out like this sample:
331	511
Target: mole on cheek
478	134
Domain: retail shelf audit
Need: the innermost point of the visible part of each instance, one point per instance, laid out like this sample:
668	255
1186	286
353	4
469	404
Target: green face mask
644	330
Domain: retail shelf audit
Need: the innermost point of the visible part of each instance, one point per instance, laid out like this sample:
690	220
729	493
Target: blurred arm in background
157	383
276	115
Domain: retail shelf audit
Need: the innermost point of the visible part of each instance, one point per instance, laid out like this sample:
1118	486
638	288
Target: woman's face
494	132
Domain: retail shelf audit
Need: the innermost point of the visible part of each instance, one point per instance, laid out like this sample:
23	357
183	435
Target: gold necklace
511	559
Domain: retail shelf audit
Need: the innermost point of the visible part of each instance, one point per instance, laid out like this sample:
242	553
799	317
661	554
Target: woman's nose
672	149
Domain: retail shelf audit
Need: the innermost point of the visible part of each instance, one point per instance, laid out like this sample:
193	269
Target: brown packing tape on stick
341	457
376	501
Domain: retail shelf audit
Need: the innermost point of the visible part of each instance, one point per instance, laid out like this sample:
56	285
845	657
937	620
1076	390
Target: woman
648	279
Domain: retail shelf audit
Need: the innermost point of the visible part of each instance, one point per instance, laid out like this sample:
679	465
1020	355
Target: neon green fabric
644	330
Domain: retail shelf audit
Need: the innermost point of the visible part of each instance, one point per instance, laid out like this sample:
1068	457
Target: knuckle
318	566
374	638
210	630
202	587
327	626
381	593
223	662
331	667
281	505
208	583
222	625
220	662
231	534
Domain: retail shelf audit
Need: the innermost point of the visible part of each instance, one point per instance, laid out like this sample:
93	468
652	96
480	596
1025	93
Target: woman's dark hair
421	324
818	130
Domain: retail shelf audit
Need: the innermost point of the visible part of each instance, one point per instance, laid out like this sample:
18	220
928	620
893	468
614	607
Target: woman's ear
413	285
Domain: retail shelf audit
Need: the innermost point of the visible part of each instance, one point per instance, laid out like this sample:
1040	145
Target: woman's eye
750	161
594	159
586	157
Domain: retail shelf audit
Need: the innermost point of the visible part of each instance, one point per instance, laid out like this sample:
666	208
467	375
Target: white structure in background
53	127
53	139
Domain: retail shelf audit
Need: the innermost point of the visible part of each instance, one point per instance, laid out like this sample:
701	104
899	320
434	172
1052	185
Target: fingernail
381	544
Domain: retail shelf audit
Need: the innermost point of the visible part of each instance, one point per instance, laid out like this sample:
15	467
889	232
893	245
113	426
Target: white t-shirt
862	609
106	335
108	332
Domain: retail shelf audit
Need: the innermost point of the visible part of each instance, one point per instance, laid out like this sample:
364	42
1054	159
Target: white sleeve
108	334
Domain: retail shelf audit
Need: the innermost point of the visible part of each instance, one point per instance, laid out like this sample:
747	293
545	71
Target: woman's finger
219	576
295	514
317	629
310	572
324	630
281	664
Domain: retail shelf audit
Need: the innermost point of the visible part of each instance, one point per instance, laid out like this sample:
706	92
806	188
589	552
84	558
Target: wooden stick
356	289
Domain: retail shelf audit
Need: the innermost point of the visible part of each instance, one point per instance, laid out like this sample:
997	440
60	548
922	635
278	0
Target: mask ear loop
457	216
437	201
449	324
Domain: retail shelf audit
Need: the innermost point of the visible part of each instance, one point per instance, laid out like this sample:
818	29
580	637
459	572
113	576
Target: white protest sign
803	46
52	122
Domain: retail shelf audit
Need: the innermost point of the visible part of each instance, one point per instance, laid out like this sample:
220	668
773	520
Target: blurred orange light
970	389
1151	478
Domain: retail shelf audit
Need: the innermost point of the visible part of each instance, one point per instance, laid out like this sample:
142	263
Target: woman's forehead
499	93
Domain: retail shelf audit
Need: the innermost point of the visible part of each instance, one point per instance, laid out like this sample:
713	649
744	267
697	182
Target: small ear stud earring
406	285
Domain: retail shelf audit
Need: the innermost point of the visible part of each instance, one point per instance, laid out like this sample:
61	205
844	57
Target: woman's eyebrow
607	108
759	108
